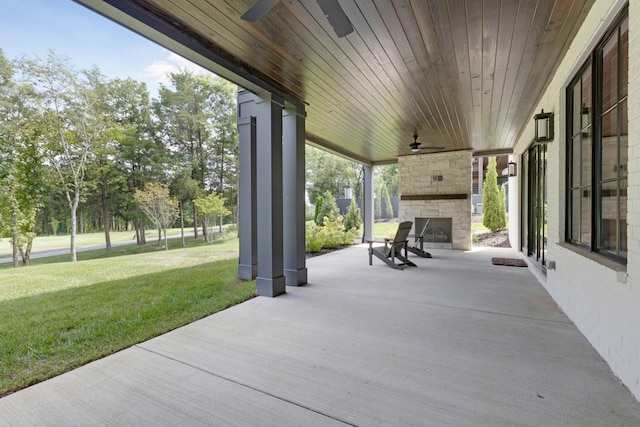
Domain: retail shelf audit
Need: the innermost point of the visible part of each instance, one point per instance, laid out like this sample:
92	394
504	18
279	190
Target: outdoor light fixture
512	169
585	115
415	145
585	121
544	126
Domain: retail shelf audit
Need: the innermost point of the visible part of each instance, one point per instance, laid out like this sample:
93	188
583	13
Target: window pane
586	110
623	217
624	57
624	136
609	220
586	160
576	109
610	72
576	159
609	145
575	215
585	216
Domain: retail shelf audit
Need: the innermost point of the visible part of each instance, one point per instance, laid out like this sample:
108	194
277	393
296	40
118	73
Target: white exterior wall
600	296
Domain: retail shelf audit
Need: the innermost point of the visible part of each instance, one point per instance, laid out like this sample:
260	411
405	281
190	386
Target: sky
34	27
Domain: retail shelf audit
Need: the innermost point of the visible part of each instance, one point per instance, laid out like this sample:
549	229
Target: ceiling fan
417	146
331	9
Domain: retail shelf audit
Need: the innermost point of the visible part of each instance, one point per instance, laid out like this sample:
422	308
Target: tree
141	158
212	207
127	157
156	203
185	111
186	189
382	194
22	167
75	116
494	213
389	175
223	166
326	172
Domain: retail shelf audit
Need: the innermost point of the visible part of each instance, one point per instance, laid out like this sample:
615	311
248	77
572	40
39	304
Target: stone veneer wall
418	176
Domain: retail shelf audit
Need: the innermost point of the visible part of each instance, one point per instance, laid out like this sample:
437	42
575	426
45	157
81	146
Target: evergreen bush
353	218
317	218
494	209
328	207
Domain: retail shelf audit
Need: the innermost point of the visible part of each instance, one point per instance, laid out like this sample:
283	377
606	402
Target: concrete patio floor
453	342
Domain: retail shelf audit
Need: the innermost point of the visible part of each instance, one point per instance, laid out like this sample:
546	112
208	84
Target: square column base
247	271
295	277
268	287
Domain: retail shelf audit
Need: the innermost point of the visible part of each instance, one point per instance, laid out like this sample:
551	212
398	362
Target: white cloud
158	71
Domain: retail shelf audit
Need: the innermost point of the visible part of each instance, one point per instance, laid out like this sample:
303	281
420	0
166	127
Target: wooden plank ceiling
463	74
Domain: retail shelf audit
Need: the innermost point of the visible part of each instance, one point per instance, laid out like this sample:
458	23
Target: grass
57	316
478	228
382	230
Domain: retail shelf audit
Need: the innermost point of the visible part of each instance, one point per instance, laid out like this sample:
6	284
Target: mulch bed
509	262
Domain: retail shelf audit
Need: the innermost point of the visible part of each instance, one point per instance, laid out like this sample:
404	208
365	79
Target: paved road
41	253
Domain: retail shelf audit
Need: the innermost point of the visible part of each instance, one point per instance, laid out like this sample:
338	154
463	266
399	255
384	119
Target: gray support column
247	218
293	133
367	202
270	280
480	174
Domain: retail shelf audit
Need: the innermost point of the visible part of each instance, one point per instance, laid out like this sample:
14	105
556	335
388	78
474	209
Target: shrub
353	218
503	200
331	234
328	207
317	217
494	213
313	240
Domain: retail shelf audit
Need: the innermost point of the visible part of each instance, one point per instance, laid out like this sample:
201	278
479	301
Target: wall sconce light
585	116
586	119
544	126
512	169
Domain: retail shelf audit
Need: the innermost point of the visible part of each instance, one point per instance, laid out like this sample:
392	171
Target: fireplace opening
439	230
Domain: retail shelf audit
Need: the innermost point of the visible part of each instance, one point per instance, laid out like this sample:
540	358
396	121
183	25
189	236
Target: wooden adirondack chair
418	247
392	248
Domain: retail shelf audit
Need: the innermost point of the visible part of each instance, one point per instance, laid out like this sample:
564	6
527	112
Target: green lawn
478	228
383	230
57	316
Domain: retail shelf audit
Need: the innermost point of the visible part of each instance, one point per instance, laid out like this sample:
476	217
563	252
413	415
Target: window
597	148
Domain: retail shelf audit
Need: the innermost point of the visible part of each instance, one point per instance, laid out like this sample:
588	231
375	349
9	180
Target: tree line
329	175
76	147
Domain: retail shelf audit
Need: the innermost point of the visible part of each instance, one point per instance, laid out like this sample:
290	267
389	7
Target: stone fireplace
439	232
437	186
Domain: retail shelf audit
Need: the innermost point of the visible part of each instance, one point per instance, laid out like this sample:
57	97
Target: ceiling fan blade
336	17
258	10
432	147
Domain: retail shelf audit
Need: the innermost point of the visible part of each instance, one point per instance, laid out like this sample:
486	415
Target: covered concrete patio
455	341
